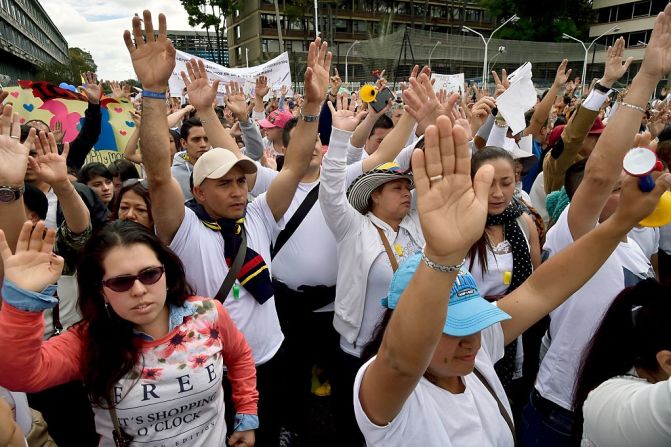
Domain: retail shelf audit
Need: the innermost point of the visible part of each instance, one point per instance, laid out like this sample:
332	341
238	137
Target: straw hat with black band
362	187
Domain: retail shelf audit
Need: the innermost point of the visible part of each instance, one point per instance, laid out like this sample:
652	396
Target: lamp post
502	50
586	48
431	53
346	56
485	75
247	56
316	21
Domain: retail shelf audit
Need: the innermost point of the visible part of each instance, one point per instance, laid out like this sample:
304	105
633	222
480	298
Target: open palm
153	60
446	195
657	58
317	73
50	166
344	116
235	99
201	92
13	154
33	266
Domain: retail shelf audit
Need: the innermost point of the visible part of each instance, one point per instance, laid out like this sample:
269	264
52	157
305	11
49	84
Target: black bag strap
502	409
234	269
121	438
302	211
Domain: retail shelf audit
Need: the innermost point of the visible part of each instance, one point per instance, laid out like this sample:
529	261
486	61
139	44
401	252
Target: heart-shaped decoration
29	107
15	94
130	123
118	109
123	132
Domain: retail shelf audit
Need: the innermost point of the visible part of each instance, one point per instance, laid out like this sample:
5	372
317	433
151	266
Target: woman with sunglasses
151	355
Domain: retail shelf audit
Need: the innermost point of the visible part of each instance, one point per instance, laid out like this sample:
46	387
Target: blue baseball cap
468	312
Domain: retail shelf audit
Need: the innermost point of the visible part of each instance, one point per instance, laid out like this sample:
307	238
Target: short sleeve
492	342
259	215
184	237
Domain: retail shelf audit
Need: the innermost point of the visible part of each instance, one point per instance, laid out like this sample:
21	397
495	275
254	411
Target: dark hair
664	151
633	330
373	346
139	189
186	127
383	122
110	350
286	132
665	134
176	137
90	170
35	200
573	177
561	120
123	169
481	157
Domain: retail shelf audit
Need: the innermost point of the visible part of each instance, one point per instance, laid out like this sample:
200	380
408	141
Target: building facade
28	39
253	35
198	44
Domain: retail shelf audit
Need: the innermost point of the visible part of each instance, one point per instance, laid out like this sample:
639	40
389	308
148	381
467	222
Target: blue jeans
546	424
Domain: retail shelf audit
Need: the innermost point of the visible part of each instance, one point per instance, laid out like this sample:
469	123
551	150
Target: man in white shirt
220	189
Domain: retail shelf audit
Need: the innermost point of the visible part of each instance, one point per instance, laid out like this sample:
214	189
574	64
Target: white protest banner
450	83
276	70
518	98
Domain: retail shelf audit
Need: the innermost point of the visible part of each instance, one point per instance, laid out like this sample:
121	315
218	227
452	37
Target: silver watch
9	194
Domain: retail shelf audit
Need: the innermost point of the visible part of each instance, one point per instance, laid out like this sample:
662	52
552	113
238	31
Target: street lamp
316	21
485	75
346	55
641	43
502	50
584	65
432	50
247	56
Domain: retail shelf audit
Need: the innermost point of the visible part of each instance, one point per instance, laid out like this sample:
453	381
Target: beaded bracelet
441	267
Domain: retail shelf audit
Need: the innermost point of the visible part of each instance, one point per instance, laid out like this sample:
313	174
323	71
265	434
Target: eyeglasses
123	283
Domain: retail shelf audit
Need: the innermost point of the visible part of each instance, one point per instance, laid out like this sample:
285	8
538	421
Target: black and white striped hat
363	186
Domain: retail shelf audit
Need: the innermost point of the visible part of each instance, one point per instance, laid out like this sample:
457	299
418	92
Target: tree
80	62
211	14
540	23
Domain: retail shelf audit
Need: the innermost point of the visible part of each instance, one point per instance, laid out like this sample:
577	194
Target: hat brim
361	189
527	159
472	316
266	124
247	166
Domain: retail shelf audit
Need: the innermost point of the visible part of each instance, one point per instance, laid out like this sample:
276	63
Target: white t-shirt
202	252
574	322
665	238
434	417
647	238
377	287
309	257
52	200
537	196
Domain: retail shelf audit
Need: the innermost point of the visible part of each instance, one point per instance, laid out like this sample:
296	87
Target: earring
107	310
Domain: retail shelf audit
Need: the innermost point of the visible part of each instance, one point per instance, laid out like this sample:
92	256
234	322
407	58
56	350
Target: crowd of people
446	281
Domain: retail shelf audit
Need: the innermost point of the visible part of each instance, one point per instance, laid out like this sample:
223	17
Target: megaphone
641	162
368	93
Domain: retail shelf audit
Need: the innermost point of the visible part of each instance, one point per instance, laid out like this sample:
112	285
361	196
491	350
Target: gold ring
436	178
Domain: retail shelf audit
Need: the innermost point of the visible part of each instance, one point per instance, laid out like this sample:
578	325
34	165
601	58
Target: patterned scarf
522	269
253	274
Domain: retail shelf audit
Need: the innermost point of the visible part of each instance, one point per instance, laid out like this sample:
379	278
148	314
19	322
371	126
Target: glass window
342	26
625	12
642	9
658	6
237	32
635	38
604	15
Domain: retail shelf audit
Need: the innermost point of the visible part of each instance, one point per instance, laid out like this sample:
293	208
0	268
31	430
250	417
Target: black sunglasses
123	283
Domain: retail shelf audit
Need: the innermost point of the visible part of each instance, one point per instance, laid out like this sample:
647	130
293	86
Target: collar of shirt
177	315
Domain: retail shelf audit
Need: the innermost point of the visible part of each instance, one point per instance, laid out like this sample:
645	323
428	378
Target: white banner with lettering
450	83
276	70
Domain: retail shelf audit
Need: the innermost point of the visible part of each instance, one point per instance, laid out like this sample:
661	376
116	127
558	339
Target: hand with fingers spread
116	89
344	115
261	88
615	67
502	83
48	165
562	75
13	154
459	118
269	159
317	75
235	100
447	197
33	266
335	82
201	92
421	102
284	90
92	88
153	60
657	59
58	131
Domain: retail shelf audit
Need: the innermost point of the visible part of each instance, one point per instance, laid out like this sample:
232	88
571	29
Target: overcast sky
97	26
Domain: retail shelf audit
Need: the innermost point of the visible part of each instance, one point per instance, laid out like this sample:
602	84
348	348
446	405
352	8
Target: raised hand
421	101
635	205
268	159
92	89
446	195
58	131
235	99
562	74
13	154
481	110
49	166
201	92
335	82
502	83
317	74
657	59
261	88
284	90
33	266
615	68
116	89
343	116
153	60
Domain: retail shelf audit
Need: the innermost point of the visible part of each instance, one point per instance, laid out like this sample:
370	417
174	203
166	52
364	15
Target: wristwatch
9	194
601	88
308	118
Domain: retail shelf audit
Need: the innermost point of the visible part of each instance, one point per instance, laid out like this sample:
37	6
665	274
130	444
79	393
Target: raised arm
261	89
299	153
452	201
604	166
90	131
542	110
560	276
130	151
154	61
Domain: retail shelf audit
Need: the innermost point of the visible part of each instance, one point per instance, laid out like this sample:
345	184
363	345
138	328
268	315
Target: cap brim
247	166
361	189
472	316
266	124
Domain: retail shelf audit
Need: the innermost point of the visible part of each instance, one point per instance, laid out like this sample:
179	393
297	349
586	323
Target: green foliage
211	14
80	61
543	21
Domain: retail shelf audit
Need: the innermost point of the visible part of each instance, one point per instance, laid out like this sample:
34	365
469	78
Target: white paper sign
450	83
520	97
277	70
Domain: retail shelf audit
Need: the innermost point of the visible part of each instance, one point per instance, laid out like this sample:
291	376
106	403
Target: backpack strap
234	269
502	409
295	220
